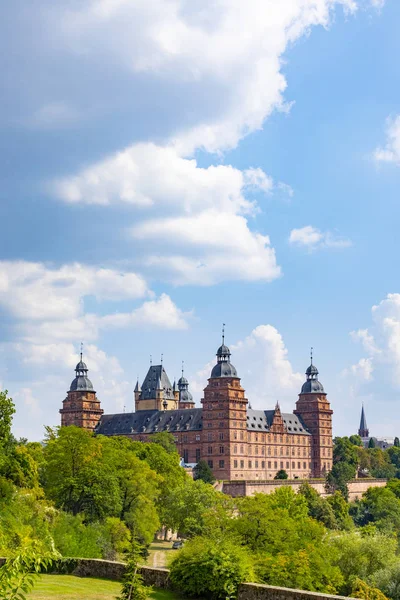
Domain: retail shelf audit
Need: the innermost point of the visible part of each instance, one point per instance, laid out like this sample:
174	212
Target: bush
388	581
360	589
211	569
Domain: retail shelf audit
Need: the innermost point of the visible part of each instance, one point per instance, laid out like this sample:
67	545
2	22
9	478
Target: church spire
363	430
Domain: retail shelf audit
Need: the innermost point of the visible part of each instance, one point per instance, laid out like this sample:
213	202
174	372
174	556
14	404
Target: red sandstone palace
238	443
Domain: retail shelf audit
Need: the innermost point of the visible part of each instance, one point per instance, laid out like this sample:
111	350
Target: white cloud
207	248
312	238
381	342
263	365
391	151
33	291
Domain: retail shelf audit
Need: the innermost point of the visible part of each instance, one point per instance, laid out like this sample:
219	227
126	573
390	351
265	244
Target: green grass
68	587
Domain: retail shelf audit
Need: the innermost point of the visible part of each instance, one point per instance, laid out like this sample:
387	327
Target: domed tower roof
183	387
224	367
312	385
81	383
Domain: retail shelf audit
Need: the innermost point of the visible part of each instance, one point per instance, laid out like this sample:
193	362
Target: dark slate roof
156	376
261	420
81	383
312	386
363	421
151	421
224	369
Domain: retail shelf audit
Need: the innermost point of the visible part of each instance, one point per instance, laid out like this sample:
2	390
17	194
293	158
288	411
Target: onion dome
183	387
224	367
81	383
312	385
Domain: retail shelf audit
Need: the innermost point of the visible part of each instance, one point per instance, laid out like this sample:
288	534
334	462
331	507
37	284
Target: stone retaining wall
255	591
357	487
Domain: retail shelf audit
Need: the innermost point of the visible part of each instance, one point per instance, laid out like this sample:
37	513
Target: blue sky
167	166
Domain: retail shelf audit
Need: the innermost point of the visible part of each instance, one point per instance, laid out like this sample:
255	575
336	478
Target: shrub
211	569
360	589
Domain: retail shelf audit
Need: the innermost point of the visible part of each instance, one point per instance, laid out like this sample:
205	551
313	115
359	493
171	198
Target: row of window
240	464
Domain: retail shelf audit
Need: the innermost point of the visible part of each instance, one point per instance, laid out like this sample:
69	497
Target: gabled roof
261	420
151	421
156	379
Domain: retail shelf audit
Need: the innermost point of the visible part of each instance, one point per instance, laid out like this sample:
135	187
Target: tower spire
311	353
363	430
81	350
183	363
223	333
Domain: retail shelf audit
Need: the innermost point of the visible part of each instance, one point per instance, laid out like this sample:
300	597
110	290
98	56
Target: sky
167	166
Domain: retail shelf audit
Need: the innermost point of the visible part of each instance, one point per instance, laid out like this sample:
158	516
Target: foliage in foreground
19	573
132	585
211	569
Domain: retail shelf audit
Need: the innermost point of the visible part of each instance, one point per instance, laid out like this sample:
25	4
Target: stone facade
238	443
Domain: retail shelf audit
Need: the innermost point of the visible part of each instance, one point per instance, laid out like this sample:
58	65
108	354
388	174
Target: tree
132	585
371	443
203	471
318	508
355	440
379	506
210	569
345	461
396	442
360	589
166	440
7	410
281	474
19	573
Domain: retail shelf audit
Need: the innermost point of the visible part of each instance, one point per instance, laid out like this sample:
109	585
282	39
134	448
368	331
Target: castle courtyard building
238	442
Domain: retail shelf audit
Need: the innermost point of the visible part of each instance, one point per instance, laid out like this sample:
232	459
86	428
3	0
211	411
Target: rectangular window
263	450
209	449
293	465
281	464
242	464
210	463
269	464
287	464
221	450
234	435
256	464
263	464
249	464
221	436
185	438
235	464
197	437
275	465
185	456
221	464
304	465
197	454
235	449
209	437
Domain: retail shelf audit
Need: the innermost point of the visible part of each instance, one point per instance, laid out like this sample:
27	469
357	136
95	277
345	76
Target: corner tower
225	419
314	409
81	407
185	397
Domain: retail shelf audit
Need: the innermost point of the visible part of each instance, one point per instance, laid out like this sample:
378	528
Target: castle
238	442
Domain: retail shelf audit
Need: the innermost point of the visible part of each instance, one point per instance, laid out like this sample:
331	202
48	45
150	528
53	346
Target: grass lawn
68	587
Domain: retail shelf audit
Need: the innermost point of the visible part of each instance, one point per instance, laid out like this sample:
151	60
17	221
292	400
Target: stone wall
255	591
357	487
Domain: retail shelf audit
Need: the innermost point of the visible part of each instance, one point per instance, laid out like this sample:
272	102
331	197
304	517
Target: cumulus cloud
381	342
262	362
313	239
390	152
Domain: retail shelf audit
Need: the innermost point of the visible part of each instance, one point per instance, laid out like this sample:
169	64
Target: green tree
355	440
165	440
396	442
132	585
203	471
19	573
381	466
345	461
371	443
362	556
360	589
7	410
379	506
388	580
318	508
282	474
210	569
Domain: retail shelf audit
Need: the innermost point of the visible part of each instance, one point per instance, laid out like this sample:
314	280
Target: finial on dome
311	353
223	333
81	350
183	363
151	360
162	357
